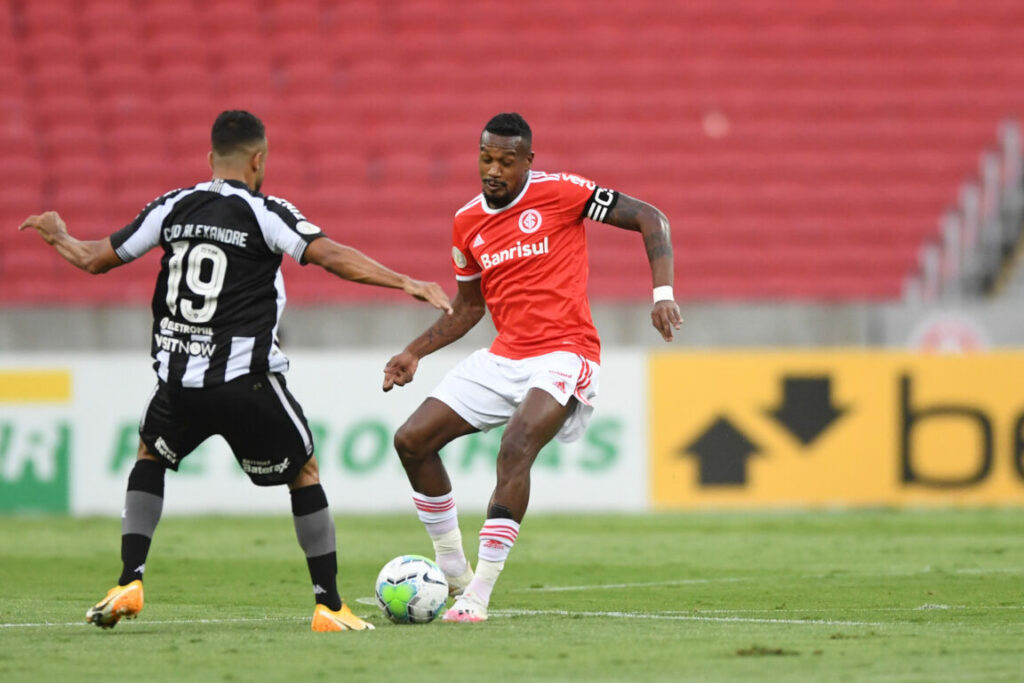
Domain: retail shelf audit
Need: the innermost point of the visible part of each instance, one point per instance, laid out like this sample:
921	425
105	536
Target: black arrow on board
806	409
722	452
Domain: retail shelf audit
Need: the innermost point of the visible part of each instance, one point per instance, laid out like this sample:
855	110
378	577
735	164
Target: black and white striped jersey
220	294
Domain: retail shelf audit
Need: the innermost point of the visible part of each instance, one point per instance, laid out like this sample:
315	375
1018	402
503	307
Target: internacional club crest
529	221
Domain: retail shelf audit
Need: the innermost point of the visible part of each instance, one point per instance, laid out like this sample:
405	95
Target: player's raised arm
467	310
632	214
92	256
351	264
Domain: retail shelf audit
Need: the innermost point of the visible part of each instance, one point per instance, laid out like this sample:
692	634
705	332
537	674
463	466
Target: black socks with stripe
143	503
314	527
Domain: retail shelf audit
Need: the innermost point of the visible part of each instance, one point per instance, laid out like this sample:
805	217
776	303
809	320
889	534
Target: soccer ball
411	589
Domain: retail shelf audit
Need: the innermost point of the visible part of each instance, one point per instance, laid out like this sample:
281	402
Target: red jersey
531	258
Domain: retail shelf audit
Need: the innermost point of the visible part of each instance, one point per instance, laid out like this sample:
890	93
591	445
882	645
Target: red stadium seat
69	167
57	78
103	48
309	77
21	171
121	77
73	138
169	18
175	43
338	169
246	80
237	47
285	17
85	205
42	16
188	142
17	202
233	17
134	136
120	17
16	141
177	79
50	48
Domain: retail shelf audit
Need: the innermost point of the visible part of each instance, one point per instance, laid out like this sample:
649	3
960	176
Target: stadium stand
803	150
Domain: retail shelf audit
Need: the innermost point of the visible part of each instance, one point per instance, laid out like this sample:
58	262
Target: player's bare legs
418	442
532	426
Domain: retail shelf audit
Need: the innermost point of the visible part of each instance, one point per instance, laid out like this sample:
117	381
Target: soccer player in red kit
519	250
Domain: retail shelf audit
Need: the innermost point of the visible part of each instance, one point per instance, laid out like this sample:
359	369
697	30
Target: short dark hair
510	125
234	129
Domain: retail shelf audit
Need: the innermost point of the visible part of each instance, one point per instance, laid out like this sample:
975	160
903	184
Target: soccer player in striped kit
220	370
519	251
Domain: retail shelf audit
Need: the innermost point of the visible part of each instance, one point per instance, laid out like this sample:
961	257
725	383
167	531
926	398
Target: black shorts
256	415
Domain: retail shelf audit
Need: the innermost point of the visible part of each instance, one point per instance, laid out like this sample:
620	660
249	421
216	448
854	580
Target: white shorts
485	389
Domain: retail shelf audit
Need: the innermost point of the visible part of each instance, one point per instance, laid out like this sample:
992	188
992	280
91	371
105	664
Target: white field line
234	620
503	613
640	584
681	617
734	579
797	610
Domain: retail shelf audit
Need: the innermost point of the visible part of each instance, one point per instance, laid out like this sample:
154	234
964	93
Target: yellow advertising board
792	428
35	386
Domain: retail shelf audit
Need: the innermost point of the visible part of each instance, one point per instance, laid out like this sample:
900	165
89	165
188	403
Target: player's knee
517	453
406	443
518	440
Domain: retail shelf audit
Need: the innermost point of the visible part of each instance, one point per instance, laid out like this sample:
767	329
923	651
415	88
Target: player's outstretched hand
400	370
430	292
49	225
666	317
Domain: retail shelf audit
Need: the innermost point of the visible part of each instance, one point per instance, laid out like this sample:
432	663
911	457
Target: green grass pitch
920	595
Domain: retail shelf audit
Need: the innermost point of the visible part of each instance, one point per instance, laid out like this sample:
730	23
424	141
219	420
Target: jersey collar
522	193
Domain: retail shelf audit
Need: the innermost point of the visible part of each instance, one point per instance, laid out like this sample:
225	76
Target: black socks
143	503
314	528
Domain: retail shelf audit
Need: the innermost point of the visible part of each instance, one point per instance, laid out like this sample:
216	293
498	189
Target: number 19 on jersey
190	263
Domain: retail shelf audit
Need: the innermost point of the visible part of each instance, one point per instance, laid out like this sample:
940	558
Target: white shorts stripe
145	408
307	439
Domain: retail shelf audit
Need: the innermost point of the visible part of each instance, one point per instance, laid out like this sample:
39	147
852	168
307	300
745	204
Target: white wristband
663	293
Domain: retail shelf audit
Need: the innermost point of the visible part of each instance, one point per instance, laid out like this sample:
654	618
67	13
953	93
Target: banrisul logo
35	457
519	251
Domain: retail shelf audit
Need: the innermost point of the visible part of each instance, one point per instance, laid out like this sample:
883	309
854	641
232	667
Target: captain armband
600	203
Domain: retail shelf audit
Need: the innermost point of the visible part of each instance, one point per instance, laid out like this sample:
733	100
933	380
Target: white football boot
468	609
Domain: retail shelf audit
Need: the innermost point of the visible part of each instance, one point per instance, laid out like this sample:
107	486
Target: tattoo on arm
626	213
633	214
657	245
448	328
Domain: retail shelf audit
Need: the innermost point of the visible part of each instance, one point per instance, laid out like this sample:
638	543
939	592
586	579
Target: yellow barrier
35	386
836	428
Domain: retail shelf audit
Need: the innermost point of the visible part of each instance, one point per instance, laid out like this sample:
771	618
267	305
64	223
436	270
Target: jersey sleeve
582	197
143	233
286	230
465	264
